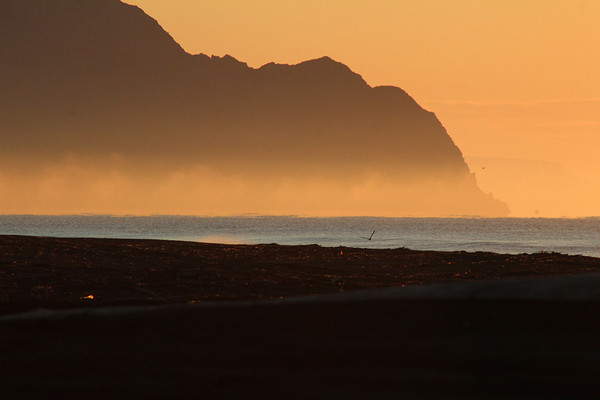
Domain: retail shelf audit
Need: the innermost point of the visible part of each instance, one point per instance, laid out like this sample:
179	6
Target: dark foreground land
355	346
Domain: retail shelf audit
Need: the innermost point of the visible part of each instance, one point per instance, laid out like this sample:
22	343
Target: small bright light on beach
90	297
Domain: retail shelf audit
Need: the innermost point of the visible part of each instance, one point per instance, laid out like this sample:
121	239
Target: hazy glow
540	157
514	82
77	185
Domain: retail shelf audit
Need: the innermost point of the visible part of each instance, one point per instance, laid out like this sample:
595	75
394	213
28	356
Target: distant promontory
99	88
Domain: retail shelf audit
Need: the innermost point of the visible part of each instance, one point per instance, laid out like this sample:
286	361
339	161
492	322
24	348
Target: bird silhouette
368	238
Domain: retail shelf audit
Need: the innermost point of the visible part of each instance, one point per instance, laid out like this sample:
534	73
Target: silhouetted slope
71	38
97	78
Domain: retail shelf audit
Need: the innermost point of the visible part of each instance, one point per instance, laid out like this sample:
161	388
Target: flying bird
370	237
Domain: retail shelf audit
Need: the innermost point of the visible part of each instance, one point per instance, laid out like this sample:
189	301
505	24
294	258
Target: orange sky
513	81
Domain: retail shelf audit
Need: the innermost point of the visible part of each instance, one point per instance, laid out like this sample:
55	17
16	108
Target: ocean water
501	235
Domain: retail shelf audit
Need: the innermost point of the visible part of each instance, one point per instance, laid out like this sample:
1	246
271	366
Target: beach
112	318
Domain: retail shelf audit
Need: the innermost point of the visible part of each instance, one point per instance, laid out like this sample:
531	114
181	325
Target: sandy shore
189	324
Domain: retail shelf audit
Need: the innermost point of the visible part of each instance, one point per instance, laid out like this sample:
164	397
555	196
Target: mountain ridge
101	79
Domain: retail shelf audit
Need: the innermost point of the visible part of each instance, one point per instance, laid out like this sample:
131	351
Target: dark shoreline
357	348
61	272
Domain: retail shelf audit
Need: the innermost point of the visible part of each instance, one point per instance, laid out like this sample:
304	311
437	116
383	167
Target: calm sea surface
502	235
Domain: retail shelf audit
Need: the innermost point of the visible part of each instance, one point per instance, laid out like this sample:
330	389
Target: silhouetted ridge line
100	80
323	71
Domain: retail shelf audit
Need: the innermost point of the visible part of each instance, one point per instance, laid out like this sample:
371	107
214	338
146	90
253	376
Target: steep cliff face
101	81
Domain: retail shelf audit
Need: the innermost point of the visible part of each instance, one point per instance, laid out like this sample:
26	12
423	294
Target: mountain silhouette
101	81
